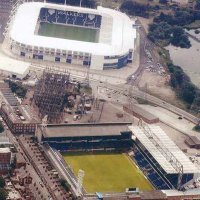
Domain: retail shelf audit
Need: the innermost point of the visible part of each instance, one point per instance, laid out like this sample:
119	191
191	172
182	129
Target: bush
135	8
18	89
2	182
182	84
65	185
3	194
197	128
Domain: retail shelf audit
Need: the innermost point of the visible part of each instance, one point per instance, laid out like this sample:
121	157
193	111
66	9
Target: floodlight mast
81	175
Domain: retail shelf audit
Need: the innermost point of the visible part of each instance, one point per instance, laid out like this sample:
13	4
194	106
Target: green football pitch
68	32
107	172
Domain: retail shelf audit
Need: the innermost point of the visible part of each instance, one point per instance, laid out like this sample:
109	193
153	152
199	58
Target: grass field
68	32
107	172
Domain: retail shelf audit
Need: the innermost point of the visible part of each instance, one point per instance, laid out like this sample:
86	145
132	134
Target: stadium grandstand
164	164
157	156
100	136
99	38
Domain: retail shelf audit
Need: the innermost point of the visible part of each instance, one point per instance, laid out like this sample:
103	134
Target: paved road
136	93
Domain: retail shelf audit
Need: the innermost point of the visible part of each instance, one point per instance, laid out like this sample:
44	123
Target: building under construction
50	94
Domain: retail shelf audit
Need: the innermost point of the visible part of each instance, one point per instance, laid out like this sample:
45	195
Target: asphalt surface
5	8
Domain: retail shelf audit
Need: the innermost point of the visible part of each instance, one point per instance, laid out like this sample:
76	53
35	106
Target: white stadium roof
167	143
26	18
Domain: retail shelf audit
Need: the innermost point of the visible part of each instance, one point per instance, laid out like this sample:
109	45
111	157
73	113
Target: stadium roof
168	144
24	25
13	66
76	130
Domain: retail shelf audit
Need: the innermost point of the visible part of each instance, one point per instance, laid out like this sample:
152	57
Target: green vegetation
197	128
68	32
18	89
105	172
3	194
2	182
163	32
135	8
3	191
169	28
184	88
65	184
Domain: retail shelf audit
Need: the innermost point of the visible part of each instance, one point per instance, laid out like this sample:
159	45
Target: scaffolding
50	94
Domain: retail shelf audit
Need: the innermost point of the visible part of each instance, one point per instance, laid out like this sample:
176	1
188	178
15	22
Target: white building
116	38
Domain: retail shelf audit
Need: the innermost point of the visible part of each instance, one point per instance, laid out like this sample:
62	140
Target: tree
179	38
135	8
197	128
3	194
2	182
188	92
65	185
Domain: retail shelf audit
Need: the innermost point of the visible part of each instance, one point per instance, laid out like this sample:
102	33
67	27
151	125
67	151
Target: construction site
63	100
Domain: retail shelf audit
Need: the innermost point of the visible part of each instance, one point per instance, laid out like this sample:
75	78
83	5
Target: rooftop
142	112
76	130
166	144
8	94
5	150
20	114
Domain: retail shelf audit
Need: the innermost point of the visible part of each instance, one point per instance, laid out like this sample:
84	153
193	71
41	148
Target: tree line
184	88
137	9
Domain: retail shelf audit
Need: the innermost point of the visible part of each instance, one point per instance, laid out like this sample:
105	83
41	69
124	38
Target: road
123	89
136	93
35	187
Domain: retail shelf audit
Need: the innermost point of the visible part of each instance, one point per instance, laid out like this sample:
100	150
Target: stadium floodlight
81	175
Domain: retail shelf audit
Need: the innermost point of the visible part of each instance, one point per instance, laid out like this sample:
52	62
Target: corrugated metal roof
167	144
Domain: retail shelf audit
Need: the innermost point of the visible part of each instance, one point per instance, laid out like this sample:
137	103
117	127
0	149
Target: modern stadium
99	38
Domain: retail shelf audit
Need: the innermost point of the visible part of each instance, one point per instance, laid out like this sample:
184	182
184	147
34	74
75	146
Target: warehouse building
140	113
19	119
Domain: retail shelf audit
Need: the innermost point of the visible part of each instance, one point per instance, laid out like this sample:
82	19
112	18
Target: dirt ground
145	22
158	85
